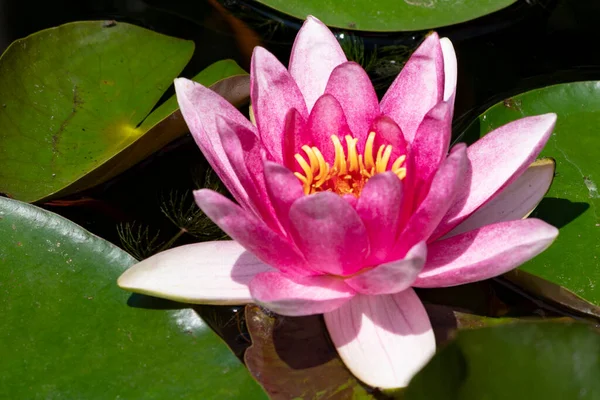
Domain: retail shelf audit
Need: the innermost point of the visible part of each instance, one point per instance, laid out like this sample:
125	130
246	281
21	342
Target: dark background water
531	44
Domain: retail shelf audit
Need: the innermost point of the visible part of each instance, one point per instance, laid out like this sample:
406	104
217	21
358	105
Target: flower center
350	172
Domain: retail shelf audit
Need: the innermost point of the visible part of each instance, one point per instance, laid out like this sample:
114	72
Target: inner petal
351	170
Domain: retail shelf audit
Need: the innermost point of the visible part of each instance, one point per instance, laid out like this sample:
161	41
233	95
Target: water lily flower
345	203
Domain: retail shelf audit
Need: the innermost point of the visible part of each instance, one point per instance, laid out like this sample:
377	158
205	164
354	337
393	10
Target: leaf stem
168	244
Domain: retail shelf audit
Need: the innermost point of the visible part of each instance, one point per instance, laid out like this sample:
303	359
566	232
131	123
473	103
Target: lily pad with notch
76	104
68	331
568	272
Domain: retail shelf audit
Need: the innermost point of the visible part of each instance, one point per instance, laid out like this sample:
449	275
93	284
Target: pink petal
450	70
496	160
273	93
418	87
303	296
516	201
431	143
327	118
329	233
283	189
485	252
316	52
387	132
379	207
439	198
200	107
392	277
351	86
245	154
252	233
295	136
384	340
200	273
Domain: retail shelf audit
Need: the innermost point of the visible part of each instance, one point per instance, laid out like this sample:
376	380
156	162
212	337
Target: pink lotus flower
346	202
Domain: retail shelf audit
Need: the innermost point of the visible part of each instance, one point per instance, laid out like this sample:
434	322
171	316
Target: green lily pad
389	15
570	268
522	361
293	358
75	103
69	333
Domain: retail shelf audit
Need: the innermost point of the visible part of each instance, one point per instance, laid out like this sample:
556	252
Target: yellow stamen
340	158
369	163
352	154
323	168
385	158
314	163
307	171
400	173
350	171
398	163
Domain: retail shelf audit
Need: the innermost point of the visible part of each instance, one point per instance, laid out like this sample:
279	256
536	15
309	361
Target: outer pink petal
245	154
496	160
418	87
283	188
327	118
273	93
304	296
253	234
329	233
200	107
431	143
384	340
429	213
392	277
379	207
351	86
315	54
485	252
201	273
516	201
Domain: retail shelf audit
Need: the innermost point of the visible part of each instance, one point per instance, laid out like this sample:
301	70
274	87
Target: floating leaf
522	361
74	104
69	333
570	268
389	15
293	358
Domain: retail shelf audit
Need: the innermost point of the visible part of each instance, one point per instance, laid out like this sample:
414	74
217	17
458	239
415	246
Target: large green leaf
69	333
523	361
389	15
74	104
573	202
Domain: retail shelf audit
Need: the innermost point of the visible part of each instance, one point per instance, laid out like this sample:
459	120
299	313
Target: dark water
530	44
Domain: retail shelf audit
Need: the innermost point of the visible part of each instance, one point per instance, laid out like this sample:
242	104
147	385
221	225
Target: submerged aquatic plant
345	203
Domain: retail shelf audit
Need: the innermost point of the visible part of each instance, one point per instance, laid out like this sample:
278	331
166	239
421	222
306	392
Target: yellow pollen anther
398	163
305	167
340	159
352	154
314	163
322	166
369	162
350	171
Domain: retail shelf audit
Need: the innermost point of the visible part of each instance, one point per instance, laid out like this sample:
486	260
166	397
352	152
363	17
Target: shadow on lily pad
559	212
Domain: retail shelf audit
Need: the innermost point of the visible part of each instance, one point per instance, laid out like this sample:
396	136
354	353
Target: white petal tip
383	340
